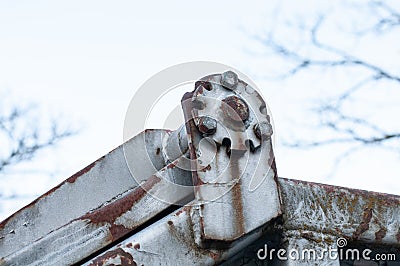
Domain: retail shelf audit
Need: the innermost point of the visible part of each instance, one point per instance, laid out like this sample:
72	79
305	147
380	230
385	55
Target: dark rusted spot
129	245
158	151
398	236
207	168
126	258
364	226
380	234
203	84
118	230
235	108
182	210
308	236
153	130
214	256
170	223
136	246
172	165
73	178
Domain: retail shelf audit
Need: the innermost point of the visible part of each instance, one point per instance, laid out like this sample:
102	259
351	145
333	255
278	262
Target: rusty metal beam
170	241
63	209
87	234
356	215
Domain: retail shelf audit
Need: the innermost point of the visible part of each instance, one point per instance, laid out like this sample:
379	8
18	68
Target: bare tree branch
20	142
386	19
348	128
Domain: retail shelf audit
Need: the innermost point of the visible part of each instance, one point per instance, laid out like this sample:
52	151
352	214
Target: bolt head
229	80
207	125
235	108
263	130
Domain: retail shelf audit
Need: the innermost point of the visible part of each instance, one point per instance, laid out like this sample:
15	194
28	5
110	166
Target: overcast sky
81	61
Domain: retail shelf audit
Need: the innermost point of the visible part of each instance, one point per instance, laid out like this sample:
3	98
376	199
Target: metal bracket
233	164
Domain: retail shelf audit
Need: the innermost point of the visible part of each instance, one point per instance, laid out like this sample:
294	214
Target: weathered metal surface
175	145
94	230
240	176
356	215
170	241
102	181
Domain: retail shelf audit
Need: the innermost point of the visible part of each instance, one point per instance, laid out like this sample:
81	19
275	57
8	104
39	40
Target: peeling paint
364	226
380	234
125	257
109	213
354	214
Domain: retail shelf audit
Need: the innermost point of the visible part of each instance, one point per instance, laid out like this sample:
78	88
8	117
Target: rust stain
237	193
380	234
182	210
129	245
109	213
136	246
192	131
172	165
158	151
201	221
207	168
272	163
308	236
382	199
200	84
126	258
190	242
398	236
214	256
364	226
117	231
153	130
74	177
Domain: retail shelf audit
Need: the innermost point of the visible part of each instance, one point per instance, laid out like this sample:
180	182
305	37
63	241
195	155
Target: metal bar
100	183
356	215
89	233
170	241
